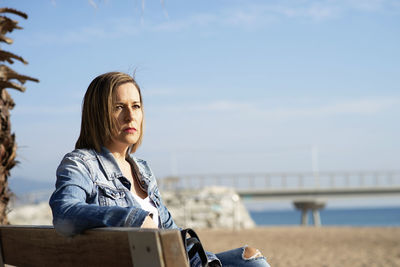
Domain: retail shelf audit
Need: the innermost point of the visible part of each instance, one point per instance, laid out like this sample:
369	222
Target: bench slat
174	252
1	254
145	249
42	246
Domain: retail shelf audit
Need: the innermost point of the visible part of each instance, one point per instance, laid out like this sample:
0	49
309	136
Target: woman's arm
69	203
148	223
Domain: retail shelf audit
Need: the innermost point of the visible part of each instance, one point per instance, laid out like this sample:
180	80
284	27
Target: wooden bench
116	246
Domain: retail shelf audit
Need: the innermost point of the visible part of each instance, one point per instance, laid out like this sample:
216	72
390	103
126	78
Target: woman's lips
130	130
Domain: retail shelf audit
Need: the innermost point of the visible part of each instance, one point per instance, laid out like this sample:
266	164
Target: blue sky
228	86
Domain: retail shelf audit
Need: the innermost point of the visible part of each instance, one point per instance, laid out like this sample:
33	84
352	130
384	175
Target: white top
148	205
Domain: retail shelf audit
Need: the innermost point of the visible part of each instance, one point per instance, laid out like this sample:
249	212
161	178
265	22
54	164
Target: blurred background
228	86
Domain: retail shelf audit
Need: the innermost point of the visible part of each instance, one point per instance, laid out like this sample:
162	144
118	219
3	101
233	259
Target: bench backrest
115	246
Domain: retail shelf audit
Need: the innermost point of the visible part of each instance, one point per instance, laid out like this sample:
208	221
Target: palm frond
8	25
13	11
7	74
8	56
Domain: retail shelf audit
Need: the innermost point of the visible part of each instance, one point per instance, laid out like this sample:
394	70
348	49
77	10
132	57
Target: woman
100	185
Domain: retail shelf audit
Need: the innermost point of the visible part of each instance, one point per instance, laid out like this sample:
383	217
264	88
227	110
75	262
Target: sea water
341	217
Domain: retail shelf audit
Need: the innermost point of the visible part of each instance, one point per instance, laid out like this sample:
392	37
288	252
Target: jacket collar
109	164
112	170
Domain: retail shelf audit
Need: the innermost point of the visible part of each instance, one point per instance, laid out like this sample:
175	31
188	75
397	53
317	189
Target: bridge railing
284	180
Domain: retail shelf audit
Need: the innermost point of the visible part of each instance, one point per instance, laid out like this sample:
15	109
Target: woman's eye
136	106
119	107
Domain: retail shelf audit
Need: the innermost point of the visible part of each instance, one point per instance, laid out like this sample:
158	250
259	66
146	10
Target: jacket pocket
112	197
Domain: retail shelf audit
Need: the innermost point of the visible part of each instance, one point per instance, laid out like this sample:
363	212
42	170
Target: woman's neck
119	153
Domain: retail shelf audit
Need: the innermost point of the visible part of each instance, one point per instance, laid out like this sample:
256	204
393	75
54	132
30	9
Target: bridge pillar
316	217
305	206
304	217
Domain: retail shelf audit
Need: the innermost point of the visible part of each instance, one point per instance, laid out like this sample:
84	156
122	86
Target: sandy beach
309	246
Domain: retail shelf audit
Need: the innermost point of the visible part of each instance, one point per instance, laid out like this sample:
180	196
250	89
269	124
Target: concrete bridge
307	191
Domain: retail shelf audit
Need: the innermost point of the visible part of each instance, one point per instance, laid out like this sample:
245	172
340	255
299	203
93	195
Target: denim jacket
91	191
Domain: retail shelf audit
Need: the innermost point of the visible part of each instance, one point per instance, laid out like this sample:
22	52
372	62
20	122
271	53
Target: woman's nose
130	116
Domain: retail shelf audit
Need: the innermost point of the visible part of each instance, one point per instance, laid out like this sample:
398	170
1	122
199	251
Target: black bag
195	246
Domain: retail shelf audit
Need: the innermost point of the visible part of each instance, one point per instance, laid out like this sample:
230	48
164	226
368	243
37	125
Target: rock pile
209	207
34	214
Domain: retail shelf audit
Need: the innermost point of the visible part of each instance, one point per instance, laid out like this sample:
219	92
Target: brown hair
98	124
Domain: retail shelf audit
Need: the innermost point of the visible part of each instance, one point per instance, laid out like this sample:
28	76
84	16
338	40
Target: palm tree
8	79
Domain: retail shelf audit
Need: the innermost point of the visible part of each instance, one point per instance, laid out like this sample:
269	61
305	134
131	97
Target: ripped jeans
237	258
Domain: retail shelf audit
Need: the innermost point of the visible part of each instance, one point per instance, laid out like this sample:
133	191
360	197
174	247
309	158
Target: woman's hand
148	223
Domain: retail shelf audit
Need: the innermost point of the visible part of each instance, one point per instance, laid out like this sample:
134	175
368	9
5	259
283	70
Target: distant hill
22	186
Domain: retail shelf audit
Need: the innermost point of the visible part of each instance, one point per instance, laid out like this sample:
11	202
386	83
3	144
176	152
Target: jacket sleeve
71	212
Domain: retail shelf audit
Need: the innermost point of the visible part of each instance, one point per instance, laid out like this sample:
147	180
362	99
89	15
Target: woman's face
127	111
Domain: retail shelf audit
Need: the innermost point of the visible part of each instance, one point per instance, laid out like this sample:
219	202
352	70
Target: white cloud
159	92
46	110
357	106
223	105
196	20
265	111
248	15
314	11
362	106
370	5
256	15
112	29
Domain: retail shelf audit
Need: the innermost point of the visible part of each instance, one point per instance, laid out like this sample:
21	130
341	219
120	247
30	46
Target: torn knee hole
251	253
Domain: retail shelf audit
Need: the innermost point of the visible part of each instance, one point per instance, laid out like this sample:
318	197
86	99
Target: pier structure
307	191
314	206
